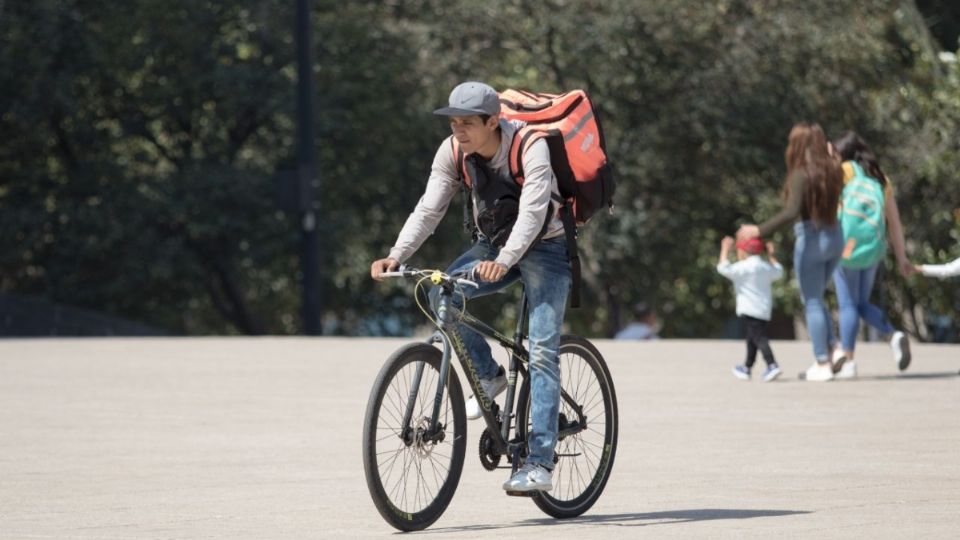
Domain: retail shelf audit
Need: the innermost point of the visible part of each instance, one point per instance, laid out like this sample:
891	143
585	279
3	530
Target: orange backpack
569	126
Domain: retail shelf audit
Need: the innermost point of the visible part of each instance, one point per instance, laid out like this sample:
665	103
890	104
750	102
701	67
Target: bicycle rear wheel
410	477
584	459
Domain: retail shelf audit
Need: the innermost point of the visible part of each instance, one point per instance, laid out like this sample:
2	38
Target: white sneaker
901	350
530	477
837	360
492	387
848	371
819	372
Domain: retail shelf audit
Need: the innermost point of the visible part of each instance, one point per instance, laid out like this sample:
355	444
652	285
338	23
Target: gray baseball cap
472	98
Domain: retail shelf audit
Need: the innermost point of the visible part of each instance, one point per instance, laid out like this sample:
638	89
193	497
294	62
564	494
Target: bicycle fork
435	432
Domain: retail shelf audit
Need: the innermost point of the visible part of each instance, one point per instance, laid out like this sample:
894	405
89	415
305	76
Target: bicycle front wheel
412	472
584	456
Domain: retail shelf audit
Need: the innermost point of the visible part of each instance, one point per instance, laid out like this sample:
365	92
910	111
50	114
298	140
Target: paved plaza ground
260	438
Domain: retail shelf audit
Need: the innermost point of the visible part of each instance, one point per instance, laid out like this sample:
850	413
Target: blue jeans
816	254
545	272
853	295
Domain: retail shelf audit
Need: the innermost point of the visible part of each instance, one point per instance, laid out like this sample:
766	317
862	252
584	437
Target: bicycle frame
448	319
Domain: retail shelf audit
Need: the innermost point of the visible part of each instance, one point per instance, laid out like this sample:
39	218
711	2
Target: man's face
471	132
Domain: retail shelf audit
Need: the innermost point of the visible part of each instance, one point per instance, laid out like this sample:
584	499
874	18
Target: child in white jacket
752	279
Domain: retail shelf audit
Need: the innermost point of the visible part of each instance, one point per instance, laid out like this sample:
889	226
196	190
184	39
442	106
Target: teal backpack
862	220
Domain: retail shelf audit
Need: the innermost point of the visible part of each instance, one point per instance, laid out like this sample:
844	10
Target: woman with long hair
868	217
811	192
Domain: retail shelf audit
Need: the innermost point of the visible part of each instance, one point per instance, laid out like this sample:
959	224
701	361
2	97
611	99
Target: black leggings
757	340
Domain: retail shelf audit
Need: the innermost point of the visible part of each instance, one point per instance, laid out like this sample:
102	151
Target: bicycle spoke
392	460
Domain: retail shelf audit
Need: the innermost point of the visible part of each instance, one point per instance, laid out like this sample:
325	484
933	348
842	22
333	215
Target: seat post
521	315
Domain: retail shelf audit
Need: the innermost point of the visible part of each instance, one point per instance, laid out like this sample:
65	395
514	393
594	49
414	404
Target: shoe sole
803	376
904	353
518	492
768	379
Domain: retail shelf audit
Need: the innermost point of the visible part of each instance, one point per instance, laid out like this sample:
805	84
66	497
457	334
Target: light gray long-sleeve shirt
444	183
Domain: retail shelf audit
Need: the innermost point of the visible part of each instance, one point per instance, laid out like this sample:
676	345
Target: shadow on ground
889	377
640	519
915	376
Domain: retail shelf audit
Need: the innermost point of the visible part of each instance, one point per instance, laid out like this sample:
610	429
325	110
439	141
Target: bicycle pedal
521	493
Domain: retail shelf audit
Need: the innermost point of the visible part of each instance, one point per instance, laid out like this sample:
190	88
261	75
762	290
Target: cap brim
454	111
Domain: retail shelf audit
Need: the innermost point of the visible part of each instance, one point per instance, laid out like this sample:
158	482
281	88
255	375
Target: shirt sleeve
442	186
729	270
538	184
791	208
941	270
776	271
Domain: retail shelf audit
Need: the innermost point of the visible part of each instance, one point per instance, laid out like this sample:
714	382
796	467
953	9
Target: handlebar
436	277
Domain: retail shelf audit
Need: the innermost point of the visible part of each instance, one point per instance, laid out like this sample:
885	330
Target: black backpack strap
516	161
566	214
468	224
570	232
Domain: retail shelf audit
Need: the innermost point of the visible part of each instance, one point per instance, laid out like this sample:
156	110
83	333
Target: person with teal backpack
868	215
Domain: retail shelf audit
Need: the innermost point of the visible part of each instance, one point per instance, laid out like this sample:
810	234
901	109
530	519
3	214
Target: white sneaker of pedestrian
901	350
819	372
837	359
848	371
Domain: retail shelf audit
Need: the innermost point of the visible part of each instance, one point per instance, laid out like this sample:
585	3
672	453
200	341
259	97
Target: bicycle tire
384	447
587	455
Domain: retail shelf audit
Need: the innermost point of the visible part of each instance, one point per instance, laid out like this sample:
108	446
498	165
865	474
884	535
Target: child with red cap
752	279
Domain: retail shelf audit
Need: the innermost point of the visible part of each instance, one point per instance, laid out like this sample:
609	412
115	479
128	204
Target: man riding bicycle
519	237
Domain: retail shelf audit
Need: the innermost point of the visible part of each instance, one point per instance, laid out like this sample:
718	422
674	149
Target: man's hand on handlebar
383	265
489	271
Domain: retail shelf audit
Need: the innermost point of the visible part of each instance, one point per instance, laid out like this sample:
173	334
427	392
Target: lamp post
307	175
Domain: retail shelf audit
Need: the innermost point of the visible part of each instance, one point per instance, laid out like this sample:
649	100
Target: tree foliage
141	142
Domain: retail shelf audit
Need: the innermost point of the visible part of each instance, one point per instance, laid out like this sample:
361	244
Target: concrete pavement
260	438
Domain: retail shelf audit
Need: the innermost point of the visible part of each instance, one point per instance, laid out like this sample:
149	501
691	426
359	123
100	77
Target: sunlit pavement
260	438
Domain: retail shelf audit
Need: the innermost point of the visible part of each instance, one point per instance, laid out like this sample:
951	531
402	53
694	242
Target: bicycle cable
426	312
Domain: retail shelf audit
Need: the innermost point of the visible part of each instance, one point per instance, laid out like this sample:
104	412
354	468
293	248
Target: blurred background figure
644	325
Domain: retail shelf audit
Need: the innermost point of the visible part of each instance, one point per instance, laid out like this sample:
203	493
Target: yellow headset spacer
436	277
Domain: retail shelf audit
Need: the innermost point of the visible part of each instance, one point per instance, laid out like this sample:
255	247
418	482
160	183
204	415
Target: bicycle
415	432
